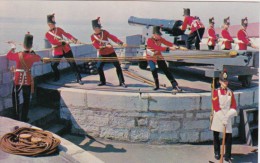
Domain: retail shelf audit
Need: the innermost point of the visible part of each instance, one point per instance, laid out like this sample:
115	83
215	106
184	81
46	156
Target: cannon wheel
245	80
143	65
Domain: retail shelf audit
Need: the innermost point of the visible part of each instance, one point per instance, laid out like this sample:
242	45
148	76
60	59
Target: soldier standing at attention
212	35
23	79
224	105
196	27
61	48
104	49
227	39
154	50
243	40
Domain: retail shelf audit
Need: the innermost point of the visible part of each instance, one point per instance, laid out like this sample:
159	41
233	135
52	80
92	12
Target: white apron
224	102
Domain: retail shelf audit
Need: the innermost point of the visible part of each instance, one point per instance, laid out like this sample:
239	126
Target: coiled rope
29	142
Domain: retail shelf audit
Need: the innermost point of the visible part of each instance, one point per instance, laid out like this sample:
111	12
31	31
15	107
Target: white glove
231	113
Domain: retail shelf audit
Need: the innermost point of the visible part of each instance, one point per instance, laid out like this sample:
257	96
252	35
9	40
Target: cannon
171	27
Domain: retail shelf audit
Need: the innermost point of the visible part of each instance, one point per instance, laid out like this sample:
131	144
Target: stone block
192	136
196	124
116	101
256	96
114	133
170	115
206	103
203	115
246	97
122	122
206	136
91	130
73	97
168	102
153	124
139	135
169	137
168	126
97	121
142	121
7	77
189	115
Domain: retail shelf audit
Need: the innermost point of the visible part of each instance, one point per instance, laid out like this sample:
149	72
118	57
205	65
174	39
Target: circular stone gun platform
137	113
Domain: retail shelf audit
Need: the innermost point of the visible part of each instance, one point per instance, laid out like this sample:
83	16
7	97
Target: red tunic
29	59
215	99
212	36
56	43
155	46
101	39
244	41
194	24
227	39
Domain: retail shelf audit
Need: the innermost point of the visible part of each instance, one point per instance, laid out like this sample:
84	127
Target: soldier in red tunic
22	76
212	35
224	105
227	39
153	51
61	48
196	27
243	40
100	40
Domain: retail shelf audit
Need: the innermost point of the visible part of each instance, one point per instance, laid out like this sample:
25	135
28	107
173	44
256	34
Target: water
15	29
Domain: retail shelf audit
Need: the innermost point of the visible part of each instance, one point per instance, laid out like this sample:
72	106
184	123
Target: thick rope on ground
29	142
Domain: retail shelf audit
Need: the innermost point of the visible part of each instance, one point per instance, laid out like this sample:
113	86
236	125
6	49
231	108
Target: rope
143	58
29	142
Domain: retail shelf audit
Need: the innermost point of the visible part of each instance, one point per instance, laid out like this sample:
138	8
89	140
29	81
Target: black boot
101	83
217	156
156	84
79	79
123	85
175	87
56	72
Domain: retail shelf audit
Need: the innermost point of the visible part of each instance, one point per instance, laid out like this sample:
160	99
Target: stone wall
38	69
155	118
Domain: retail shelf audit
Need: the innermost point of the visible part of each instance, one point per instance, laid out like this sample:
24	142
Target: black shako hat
227	21
211	20
96	23
28	40
223	76
244	22
51	19
186	12
157	30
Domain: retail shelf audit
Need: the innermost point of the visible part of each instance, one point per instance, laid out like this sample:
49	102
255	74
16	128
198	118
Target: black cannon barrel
169	26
